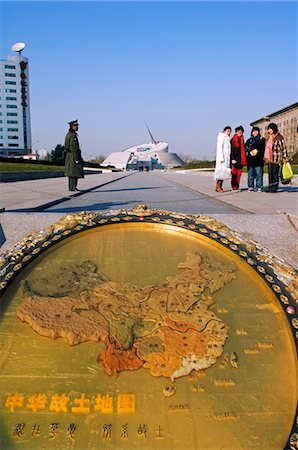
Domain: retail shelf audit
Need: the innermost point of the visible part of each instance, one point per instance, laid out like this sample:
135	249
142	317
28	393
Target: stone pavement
284	201
36	194
271	219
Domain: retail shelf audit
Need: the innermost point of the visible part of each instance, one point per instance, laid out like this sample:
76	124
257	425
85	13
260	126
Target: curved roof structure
152	155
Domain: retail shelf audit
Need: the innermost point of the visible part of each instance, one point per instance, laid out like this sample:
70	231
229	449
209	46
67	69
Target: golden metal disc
162	331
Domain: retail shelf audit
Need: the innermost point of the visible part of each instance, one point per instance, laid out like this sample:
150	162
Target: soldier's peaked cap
73	122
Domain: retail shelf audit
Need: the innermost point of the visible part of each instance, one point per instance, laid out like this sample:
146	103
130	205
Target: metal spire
153	141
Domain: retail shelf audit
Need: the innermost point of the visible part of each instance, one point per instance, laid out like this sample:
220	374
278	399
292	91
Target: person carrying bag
286	173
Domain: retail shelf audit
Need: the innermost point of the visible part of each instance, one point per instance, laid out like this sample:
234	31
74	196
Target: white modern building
150	156
15	126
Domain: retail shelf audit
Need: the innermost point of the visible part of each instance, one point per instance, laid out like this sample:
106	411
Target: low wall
9	177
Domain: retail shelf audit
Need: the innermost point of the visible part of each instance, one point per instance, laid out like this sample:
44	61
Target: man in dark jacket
255	149
73	157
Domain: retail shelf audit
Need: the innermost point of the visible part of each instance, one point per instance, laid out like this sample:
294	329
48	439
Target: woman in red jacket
238	157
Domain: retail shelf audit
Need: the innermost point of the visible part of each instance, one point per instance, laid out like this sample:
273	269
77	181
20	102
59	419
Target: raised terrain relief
167	328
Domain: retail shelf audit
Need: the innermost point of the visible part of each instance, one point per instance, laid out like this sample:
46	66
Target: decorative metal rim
280	276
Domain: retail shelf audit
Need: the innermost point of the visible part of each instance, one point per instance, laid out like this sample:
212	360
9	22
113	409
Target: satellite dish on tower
18	47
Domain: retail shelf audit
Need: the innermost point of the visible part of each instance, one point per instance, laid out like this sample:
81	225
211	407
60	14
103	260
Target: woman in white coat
223	152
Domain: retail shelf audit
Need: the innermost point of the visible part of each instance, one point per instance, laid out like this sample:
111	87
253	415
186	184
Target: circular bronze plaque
145	330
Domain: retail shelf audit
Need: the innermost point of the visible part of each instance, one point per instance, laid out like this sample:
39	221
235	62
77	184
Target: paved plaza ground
269	219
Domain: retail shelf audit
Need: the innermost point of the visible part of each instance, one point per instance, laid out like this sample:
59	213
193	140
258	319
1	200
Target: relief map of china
166	328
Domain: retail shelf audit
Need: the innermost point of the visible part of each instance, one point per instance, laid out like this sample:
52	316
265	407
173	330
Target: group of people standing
232	155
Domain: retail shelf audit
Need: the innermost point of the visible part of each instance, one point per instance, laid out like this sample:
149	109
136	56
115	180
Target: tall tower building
15	126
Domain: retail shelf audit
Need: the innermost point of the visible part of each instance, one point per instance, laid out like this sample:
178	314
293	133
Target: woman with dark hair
275	153
238	157
222	167
255	148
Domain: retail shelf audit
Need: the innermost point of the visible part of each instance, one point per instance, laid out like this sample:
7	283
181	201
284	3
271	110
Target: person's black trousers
72	183
273	175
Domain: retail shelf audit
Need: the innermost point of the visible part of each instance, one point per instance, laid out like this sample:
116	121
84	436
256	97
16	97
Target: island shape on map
166	328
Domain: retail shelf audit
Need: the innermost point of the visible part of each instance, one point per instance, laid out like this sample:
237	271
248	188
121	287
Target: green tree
57	155
185	157
97	159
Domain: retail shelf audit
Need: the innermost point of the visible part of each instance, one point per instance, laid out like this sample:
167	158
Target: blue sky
187	68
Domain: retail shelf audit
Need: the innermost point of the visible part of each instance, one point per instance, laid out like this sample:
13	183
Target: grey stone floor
269	219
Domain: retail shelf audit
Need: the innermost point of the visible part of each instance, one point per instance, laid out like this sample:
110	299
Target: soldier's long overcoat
73	157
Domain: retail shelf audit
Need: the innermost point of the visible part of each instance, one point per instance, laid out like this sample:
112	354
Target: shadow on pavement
2	236
288	189
133	189
94	207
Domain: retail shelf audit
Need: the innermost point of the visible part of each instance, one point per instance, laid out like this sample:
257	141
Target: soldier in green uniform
73	157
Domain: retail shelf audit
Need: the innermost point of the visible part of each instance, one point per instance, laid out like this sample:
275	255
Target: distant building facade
149	156
15	124
287	122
